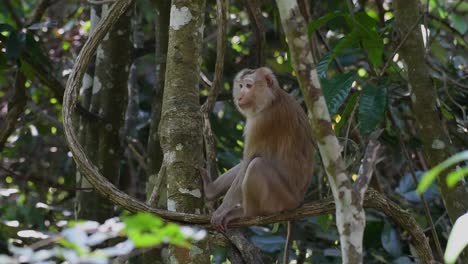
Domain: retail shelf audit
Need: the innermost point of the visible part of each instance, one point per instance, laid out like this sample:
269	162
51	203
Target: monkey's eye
240	85
248	85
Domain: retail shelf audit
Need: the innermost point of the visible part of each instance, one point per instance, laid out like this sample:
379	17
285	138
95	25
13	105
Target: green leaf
432	174
325	221
370	39
336	90
458	239
346	42
352	101
459	23
322	65
456	176
372	106
314	25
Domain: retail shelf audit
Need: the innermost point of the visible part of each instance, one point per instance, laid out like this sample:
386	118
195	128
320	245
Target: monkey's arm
220	186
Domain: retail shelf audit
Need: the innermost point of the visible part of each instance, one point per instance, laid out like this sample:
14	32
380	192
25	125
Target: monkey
277	163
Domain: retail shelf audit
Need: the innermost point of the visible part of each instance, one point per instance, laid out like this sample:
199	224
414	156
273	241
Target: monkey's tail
287	244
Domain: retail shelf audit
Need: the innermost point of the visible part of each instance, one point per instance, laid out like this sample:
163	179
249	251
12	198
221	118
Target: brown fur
278	156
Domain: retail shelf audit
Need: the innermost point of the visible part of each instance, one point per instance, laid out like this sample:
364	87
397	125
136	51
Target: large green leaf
336	90
314	25
372	106
370	39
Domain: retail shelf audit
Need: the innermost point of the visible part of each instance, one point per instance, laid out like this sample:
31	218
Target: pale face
251	92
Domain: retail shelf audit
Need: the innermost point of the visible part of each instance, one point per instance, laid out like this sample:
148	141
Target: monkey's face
251	92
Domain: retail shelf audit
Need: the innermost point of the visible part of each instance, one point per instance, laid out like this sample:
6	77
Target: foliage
457	240
87	241
452	178
365	85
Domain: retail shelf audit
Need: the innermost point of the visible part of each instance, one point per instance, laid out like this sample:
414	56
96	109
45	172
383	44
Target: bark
83	127
109	94
180	128
372	200
350	216
16	107
155	155
433	134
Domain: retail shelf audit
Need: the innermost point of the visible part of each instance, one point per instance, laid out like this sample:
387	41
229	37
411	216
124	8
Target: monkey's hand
222	216
218	220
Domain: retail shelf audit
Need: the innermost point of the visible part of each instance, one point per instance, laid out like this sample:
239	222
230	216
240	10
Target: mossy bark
180	127
434	136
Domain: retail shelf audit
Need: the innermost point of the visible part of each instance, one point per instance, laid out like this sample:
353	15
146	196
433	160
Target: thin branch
209	139
14	15
138	156
255	17
102	185
368	163
39	12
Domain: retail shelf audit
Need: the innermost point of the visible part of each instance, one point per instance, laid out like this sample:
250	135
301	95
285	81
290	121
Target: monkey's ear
269	78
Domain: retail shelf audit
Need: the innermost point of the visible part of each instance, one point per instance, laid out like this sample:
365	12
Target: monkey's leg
214	189
232	202
265	190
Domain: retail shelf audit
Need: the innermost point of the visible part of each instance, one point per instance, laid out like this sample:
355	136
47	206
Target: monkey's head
254	90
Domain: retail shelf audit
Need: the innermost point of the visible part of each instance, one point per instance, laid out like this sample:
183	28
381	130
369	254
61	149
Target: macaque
277	163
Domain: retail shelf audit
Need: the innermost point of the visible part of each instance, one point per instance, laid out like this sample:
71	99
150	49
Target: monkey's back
281	134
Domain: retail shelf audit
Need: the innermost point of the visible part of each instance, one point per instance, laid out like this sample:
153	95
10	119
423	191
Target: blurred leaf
15	44
314	25
439	52
372	105
147	230
432	174
6	28
336	90
346	113
407	188
371	41
390	240
325	221
456	176
459	23
403	260
268	243
458	239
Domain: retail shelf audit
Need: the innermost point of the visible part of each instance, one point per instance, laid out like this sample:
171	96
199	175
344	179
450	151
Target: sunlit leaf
432	174
456	176
458	239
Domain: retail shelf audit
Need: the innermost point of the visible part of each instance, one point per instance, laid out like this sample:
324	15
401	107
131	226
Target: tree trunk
109	101
350	216
181	122
434	136
155	155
